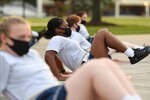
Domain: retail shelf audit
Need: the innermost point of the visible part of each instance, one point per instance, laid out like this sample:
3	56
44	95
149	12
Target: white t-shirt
83	31
69	51
23	78
81	40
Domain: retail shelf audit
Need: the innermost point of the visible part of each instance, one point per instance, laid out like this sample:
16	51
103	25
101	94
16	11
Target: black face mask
78	29
67	31
83	22
19	47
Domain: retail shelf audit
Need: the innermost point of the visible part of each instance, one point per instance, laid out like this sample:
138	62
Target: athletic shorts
89	57
90	39
54	93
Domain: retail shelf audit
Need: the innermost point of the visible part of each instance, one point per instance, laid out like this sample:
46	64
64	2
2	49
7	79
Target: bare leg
121	77
92	82
111	51
133	45
104	39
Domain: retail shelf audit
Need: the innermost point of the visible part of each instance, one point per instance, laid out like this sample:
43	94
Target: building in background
16	8
40	8
63	7
132	7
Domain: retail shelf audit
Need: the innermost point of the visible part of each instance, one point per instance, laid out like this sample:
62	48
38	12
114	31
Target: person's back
83	31
63	46
81	40
27	73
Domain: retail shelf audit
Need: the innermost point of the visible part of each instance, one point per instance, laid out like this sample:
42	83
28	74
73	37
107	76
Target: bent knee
102	32
98	63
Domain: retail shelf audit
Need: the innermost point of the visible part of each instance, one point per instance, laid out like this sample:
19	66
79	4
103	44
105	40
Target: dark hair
81	13
72	19
51	26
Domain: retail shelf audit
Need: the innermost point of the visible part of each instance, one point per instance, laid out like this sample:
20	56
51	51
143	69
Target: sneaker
140	54
147	48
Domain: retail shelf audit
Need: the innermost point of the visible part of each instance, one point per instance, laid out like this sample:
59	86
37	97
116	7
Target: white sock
136	47
137	97
128	97
129	52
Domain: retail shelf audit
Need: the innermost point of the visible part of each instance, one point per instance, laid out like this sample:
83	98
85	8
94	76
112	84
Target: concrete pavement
140	72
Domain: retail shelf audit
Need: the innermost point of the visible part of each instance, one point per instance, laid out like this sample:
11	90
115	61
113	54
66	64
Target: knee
102	32
109	63
98	65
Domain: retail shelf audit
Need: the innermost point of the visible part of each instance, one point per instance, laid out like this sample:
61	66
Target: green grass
140	21
125	25
121	29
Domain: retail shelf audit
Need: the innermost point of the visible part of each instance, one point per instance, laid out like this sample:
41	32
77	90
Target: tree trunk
96	12
59	5
73	10
23	9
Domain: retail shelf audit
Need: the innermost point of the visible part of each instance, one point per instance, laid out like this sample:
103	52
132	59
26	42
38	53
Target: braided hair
51	26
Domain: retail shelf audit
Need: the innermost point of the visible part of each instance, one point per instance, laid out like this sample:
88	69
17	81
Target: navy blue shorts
89	58
90	39
54	93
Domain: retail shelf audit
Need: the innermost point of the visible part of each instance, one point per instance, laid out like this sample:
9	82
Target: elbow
46	56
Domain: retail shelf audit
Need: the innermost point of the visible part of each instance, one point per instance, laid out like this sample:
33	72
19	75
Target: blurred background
127	17
120	16
41	8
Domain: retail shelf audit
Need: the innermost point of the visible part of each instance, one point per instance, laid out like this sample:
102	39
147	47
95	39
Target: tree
94	6
2	2
96	12
78	5
59	4
97	6
32	2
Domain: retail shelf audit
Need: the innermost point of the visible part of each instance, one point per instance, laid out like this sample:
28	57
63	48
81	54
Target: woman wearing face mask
84	32
13	44
24	75
72	49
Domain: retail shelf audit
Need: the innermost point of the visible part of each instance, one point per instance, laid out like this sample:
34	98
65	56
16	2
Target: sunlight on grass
125	25
121	29
141	21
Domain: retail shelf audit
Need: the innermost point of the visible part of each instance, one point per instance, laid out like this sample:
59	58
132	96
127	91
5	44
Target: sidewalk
140	72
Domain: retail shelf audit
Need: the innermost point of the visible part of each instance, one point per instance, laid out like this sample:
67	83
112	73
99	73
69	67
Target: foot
140	54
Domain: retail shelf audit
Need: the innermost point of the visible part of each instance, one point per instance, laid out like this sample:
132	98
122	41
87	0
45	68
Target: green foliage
82	5
106	2
87	4
2	2
33	2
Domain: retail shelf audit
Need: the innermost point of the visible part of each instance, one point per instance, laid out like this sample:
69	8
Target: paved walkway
140	72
